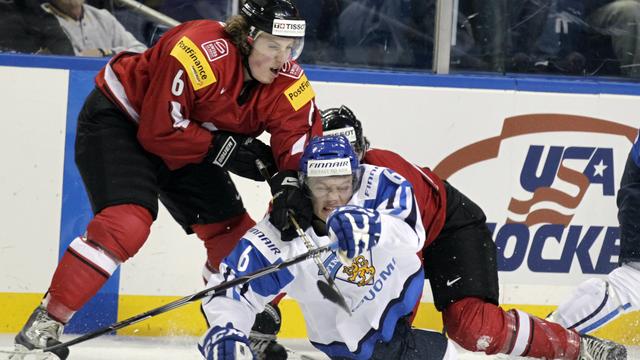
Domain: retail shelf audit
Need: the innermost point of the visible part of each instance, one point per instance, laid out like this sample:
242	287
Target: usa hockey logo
215	49
555	207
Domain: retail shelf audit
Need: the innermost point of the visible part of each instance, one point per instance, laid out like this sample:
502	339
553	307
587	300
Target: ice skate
592	348
263	335
39	332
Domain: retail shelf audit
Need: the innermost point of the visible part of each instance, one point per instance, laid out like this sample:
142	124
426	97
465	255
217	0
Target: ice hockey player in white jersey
598	301
371	214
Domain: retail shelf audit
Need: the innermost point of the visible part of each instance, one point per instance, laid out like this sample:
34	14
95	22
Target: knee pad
120	230
221	237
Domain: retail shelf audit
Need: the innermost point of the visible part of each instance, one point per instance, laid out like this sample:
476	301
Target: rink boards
543	157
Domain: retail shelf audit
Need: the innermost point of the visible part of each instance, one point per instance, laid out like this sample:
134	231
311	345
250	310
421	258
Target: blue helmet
329	156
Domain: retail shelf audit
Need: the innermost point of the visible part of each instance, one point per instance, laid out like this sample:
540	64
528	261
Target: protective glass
342	189
278	47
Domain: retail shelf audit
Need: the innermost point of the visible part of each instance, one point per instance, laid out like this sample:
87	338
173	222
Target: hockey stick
213	291
329	289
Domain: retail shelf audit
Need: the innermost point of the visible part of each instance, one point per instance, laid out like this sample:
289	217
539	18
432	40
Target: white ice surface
184	348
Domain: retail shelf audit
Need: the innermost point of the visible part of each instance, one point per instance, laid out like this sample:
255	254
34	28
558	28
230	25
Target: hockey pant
220	238
413	344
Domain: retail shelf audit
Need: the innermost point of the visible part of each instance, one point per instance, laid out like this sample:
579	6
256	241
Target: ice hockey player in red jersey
169	124
460	262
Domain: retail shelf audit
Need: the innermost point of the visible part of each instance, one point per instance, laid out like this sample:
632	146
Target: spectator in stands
505	32
620	19
321	38
593	37
93	32
374	33
182	10
562	44
26	28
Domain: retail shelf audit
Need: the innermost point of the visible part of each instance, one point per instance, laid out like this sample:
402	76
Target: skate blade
292	355
13	354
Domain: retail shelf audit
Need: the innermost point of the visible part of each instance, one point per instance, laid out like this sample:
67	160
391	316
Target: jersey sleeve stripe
118	92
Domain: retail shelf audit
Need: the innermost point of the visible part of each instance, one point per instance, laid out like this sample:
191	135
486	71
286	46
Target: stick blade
332	295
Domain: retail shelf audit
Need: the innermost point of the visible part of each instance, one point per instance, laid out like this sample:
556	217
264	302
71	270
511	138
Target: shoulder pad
369	182
194	63
299	93
266	240
215	49
393	176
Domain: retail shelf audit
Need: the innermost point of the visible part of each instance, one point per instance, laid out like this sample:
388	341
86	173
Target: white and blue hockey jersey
380	287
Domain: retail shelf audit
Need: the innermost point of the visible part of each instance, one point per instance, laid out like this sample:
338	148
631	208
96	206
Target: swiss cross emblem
291	70
215	49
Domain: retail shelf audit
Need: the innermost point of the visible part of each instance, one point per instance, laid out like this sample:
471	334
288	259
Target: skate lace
595	349
259	343
44	328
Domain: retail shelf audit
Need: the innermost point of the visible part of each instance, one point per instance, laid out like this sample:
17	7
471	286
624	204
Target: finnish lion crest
360	272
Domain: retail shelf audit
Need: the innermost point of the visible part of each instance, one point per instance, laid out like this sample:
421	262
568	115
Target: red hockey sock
113	236
220	238
76	280
551	338
480	326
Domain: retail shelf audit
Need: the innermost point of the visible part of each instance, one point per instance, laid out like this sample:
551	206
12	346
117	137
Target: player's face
328	193
269	54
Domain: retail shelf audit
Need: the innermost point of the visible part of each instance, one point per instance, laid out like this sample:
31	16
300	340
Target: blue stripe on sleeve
389	190
605	320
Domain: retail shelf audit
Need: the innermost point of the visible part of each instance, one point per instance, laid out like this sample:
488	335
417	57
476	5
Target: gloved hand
288	198
238	154
355	228
226	343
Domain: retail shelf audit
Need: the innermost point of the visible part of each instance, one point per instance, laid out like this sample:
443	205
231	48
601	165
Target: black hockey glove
288	198
238	154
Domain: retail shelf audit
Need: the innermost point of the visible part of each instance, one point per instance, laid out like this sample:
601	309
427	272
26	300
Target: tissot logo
560	180
281	26
294	28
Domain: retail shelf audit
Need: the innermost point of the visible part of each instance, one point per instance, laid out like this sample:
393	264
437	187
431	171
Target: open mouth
275	71
329	208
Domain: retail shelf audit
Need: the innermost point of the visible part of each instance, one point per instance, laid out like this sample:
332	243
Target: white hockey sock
597	302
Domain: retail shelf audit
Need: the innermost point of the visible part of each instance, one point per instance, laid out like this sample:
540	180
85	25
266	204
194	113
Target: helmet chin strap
245	63
253	35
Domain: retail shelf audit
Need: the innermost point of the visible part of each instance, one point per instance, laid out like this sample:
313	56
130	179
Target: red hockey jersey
427	186
188	85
